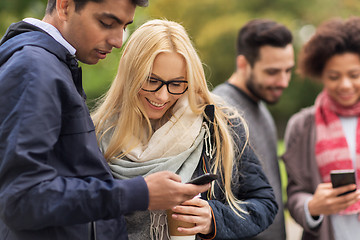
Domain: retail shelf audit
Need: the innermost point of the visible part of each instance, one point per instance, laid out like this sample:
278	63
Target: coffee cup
173	224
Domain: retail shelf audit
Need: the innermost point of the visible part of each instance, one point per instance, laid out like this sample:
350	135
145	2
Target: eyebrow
118	20
177	78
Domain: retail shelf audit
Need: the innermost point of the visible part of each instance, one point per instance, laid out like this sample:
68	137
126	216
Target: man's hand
167	191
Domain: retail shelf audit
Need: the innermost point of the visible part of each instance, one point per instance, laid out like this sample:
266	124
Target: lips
155	104
102	54
346	97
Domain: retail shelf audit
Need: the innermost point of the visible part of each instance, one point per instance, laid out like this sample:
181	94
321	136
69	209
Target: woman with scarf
159	115
326	136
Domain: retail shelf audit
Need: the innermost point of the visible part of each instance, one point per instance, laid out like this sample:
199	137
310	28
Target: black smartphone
343	177
203	179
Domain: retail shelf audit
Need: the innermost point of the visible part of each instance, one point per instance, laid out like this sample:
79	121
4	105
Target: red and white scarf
331	148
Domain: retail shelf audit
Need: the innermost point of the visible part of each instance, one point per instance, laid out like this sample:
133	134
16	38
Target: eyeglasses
175	87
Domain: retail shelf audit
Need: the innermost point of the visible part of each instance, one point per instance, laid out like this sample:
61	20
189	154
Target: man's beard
255	90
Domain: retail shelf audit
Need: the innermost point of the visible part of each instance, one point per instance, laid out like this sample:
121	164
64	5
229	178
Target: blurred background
213	26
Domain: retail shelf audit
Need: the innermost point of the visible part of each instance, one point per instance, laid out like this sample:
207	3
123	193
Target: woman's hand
326	200
196	211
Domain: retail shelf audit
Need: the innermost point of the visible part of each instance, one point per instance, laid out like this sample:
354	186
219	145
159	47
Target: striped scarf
331	148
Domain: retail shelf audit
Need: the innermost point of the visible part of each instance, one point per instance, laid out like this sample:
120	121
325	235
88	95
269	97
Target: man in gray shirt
265	59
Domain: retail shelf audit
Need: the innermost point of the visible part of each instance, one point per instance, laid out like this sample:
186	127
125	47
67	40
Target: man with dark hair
54	181
79	4
265	59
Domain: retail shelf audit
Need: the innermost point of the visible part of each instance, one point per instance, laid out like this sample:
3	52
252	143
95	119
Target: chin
347	104
271	101
91	62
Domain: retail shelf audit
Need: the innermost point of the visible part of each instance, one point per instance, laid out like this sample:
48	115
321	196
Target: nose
284	79
162	94
345	83
116	39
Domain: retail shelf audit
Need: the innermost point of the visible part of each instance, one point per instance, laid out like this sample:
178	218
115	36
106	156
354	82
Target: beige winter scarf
176	146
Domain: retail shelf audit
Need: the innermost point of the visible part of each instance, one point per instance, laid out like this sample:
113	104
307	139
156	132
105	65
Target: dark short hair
79	4
260	32
335	36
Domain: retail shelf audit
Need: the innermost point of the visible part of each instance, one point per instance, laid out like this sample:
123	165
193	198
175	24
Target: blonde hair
120	109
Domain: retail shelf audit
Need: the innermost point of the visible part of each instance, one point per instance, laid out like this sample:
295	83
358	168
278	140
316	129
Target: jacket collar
45	41
52	31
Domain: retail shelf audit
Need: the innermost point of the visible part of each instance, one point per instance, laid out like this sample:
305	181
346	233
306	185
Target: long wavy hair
121	111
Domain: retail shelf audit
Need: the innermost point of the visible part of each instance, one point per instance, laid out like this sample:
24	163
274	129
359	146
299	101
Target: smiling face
271	73
167	66
97	28
341	78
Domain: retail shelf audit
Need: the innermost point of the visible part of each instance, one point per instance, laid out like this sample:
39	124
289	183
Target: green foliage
213	26
20	8
97	78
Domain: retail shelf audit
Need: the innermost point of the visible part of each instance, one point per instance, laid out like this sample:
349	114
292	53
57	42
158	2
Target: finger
189	231
342	207
344	199
172	176
192	214
343	189
186	210
344	204
191	202
201	188
325	186
186	218
193	190
351	198
195	202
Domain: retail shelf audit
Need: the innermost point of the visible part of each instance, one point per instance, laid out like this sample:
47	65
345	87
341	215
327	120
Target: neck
238	79
50	19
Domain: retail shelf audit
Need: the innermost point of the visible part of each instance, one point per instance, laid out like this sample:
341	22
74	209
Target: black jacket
54	180
250	185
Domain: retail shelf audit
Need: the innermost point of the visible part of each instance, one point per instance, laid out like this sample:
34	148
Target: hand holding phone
204	179
343	177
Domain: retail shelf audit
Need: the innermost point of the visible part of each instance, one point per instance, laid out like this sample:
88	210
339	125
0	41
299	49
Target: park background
213	26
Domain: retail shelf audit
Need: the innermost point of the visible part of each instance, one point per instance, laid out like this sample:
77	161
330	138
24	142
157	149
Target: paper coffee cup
192	237
174	224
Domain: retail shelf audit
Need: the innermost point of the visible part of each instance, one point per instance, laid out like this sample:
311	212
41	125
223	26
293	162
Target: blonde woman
159	115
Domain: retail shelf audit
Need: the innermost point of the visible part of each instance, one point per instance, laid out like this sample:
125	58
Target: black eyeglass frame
167	85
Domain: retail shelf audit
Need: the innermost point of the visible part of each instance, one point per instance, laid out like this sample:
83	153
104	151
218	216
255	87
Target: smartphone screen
343	177
203	179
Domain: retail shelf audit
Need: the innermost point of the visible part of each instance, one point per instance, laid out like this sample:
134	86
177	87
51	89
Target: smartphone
343	177
204	179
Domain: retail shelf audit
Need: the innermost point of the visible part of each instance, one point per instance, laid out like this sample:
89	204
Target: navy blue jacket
54	180
249	185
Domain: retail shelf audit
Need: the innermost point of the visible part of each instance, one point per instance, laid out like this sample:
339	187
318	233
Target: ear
241	62
62	8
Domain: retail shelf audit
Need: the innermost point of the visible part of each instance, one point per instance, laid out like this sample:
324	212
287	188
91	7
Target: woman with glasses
325	137
159	115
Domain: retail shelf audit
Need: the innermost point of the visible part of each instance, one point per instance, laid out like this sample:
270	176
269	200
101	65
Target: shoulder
221	88
36	63
36	72
299	126
227	92
34	55
301	119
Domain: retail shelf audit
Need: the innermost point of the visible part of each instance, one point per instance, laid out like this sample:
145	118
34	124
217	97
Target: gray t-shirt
263	138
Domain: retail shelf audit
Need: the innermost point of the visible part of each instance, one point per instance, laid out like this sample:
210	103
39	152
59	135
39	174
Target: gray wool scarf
153	224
